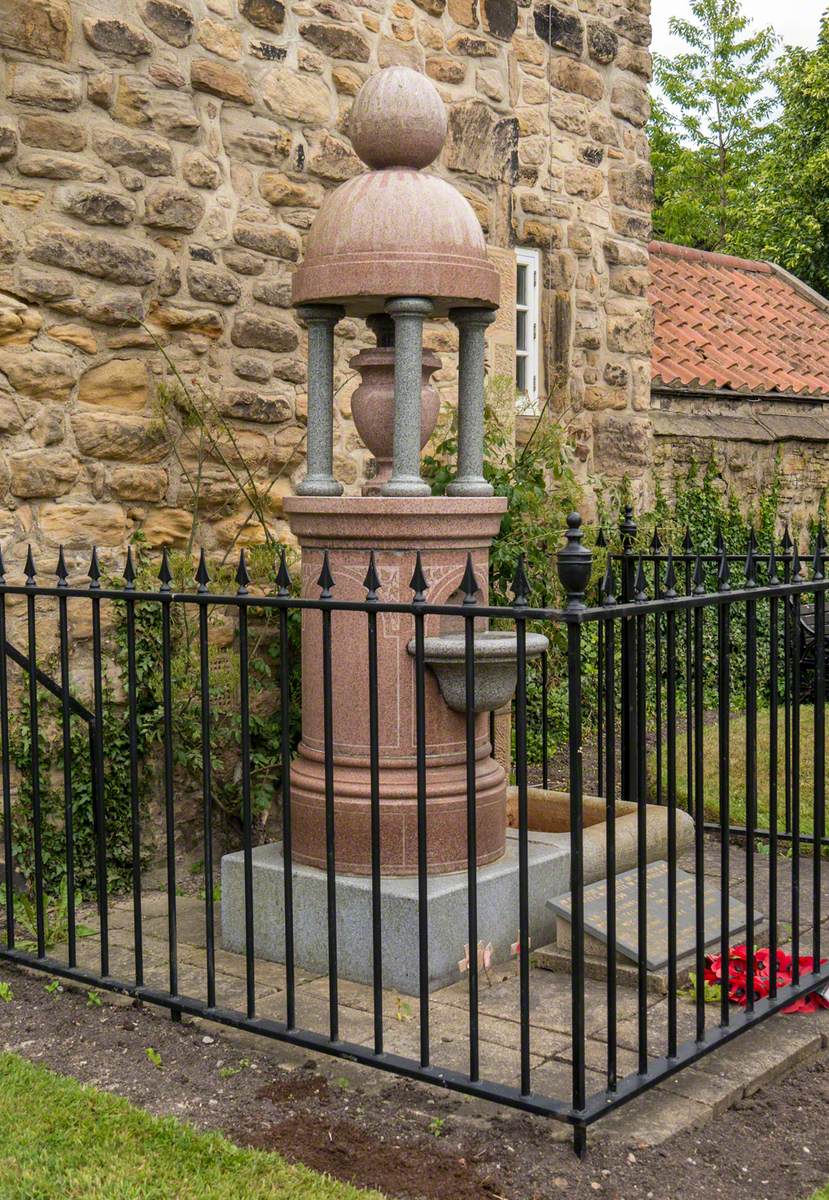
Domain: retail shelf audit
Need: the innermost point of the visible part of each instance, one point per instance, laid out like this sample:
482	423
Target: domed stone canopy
396	231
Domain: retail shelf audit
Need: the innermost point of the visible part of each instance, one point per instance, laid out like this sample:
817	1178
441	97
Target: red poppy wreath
738	983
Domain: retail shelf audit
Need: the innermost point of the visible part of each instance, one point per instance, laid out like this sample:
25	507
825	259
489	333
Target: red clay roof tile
734	324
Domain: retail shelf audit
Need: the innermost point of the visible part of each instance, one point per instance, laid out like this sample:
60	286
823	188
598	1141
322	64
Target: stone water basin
549	813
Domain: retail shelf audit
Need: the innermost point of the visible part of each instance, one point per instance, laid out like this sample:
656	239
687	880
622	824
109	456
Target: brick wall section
162	161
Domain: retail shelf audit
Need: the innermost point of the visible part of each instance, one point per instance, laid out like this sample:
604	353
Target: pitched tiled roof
733	324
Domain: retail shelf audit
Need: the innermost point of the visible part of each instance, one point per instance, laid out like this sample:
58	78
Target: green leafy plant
93	999
711	992
154	1057
229	1072
54	987
437	1126
265	728
6	994
55	920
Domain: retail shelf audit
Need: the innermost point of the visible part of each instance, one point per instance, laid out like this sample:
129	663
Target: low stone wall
751	443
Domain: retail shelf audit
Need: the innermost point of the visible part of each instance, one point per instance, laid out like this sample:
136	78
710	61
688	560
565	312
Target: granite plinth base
549	867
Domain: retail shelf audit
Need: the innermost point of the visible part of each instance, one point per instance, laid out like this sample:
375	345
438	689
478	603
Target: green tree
711	127
788	221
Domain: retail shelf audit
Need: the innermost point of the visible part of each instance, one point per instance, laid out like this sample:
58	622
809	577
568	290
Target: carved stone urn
372	404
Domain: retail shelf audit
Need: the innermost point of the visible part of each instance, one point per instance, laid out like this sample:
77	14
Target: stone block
168	527
49	133
335	41
138	483
42	164
36	473
123	306
264	14
219	38
78	525
200	171
471	47
570	76
172	207
75	335
39	375
149	155
228	83
123	436
42	28
630	101
560	27
282	190
480	142
500	18
120	384
169	112
602	42
44	87
111	258
263	408
109	35
172	22
272	240
297	97
96	206
211	284
448	906
331	158
253	139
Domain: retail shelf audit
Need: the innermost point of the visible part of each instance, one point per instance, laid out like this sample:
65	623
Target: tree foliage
788	222
711	131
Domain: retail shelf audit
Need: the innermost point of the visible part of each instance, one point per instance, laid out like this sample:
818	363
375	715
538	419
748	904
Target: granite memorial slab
627	914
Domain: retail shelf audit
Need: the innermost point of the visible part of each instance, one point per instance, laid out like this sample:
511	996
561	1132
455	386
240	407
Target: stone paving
688	1099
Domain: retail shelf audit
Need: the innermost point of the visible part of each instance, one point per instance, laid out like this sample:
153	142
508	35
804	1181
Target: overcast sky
795	20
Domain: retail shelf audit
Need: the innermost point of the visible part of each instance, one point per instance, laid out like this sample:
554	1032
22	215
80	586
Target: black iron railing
679	643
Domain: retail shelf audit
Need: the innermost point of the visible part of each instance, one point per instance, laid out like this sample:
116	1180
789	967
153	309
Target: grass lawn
61	1140
737	769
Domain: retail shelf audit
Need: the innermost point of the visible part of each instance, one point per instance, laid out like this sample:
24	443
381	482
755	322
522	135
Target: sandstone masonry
160	164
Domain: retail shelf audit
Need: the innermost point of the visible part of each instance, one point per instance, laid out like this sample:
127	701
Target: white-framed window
527	327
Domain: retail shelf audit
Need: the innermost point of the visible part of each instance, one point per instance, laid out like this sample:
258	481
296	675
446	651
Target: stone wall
751	442
161	163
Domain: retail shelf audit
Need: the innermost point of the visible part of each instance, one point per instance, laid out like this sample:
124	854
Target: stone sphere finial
398	120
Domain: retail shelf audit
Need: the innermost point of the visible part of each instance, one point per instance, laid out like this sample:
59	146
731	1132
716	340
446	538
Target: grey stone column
472	325
319	472
408	313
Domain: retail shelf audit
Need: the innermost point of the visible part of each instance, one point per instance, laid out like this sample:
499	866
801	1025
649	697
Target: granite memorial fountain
397	245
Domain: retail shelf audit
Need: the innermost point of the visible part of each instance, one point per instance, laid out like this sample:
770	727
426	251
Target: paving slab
652	1119
761	1055
717	1090
687	1100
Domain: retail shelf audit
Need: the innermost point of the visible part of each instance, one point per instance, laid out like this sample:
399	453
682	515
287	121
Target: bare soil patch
406	1139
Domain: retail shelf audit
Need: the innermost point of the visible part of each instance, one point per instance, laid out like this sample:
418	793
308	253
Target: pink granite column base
445	530
446	816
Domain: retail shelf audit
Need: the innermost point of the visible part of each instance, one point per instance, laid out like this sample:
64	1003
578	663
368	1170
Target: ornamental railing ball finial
575	564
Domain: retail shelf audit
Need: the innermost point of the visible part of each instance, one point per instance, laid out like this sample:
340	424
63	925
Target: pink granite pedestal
445	530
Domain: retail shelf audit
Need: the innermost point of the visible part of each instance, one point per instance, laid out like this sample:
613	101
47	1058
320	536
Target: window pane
521	374
521	284
521	330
